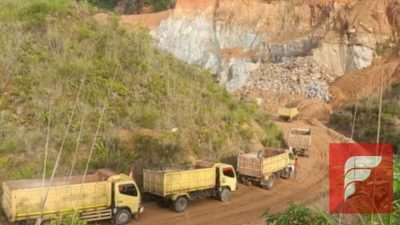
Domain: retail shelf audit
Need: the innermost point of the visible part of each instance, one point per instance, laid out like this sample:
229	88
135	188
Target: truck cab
227	176
126	199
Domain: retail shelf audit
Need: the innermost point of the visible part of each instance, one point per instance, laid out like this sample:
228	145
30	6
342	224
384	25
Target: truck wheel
285	173
180	204
269	184
136	216
122	217
224	195
245	181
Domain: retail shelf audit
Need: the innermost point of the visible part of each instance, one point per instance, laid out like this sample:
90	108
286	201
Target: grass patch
159	5
129	7
104	4
272	136
34	12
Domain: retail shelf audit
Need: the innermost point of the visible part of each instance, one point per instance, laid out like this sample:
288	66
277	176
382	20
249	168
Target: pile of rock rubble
301	77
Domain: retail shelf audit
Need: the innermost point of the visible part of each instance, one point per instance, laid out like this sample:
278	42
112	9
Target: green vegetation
48	48
297	215
272	136
397	179
159	5
105	4
132	6
367	119
68	220
383	48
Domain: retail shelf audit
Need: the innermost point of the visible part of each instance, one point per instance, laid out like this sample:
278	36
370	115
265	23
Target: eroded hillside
239	40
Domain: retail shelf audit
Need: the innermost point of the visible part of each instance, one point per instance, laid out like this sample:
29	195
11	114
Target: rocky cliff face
237	38
355	31
206	42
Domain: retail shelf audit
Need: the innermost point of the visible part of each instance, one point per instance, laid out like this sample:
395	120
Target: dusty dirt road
246	204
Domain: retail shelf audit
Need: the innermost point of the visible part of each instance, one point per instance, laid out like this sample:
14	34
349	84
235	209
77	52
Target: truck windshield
228	172
128	189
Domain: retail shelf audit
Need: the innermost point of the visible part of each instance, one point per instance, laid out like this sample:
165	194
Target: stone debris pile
301	77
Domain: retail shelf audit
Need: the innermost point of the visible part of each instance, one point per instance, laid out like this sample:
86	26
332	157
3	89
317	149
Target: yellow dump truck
175	187
288	113
263	166
300	141
103	195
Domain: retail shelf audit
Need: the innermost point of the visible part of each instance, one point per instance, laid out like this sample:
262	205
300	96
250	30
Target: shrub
272	135
297	215
158	152
160	5
383	47
68	220
105	4
34	12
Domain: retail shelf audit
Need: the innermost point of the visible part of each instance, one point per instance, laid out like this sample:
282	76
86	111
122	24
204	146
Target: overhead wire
46	149
93	147
354	119
74	159
351	136
43	201
77	146
377	146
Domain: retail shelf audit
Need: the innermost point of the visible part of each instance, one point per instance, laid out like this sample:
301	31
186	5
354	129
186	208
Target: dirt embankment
361	84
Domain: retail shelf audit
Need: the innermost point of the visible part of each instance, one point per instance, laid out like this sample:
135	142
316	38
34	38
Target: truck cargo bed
22	199
262	163
169	182
300	138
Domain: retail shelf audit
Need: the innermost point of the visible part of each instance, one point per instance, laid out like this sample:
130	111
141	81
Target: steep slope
362	84
159	109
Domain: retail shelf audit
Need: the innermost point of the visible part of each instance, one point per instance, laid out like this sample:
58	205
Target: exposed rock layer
234	37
